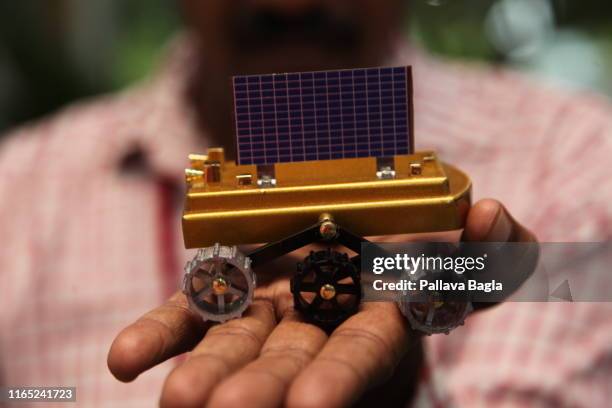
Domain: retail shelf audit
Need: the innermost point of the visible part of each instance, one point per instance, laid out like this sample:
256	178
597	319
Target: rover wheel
431	311
219	283
326	288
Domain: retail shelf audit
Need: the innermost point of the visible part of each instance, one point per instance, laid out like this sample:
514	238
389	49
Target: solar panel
323	115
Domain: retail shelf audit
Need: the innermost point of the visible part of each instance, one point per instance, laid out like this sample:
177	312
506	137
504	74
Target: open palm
270	356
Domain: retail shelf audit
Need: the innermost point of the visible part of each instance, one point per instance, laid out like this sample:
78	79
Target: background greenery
56	51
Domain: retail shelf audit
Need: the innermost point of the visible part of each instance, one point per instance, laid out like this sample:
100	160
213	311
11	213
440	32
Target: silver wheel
219	283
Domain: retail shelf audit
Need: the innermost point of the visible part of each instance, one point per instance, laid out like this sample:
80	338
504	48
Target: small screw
327	291
385	173
438	304
219	286
266	182
328	230
194	177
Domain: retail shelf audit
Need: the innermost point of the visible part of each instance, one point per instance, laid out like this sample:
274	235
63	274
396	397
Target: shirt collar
165	129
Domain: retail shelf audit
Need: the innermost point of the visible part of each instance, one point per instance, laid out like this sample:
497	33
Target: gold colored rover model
302	132
229	203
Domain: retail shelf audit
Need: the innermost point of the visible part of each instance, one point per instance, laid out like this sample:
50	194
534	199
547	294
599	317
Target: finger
489	221
360	353
162	333
224	349
265	381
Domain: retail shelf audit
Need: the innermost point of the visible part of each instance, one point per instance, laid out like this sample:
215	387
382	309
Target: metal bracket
312	234
385	168
266	177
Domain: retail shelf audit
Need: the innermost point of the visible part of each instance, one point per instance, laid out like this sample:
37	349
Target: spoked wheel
326	288
431	311
219	283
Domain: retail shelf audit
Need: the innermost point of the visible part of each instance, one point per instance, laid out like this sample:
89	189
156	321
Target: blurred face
262	36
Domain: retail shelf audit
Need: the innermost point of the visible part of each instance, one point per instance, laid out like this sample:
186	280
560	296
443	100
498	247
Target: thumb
489	221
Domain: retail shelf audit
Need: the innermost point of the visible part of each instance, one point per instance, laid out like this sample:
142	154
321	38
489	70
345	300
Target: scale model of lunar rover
321	157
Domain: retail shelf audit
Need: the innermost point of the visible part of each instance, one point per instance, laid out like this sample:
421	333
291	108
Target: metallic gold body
436	198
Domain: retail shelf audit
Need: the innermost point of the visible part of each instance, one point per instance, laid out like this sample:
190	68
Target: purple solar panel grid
323	115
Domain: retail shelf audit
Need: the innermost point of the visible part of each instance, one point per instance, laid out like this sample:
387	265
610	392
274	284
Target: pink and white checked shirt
90	203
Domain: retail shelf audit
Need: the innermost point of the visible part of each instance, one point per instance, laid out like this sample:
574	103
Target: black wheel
326	288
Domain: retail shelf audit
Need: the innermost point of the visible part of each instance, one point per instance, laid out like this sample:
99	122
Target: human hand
270	357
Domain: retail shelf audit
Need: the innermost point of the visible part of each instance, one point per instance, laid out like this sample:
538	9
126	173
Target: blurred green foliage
136	47
451	28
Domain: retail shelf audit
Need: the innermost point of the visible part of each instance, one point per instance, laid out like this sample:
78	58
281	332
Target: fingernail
501	229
